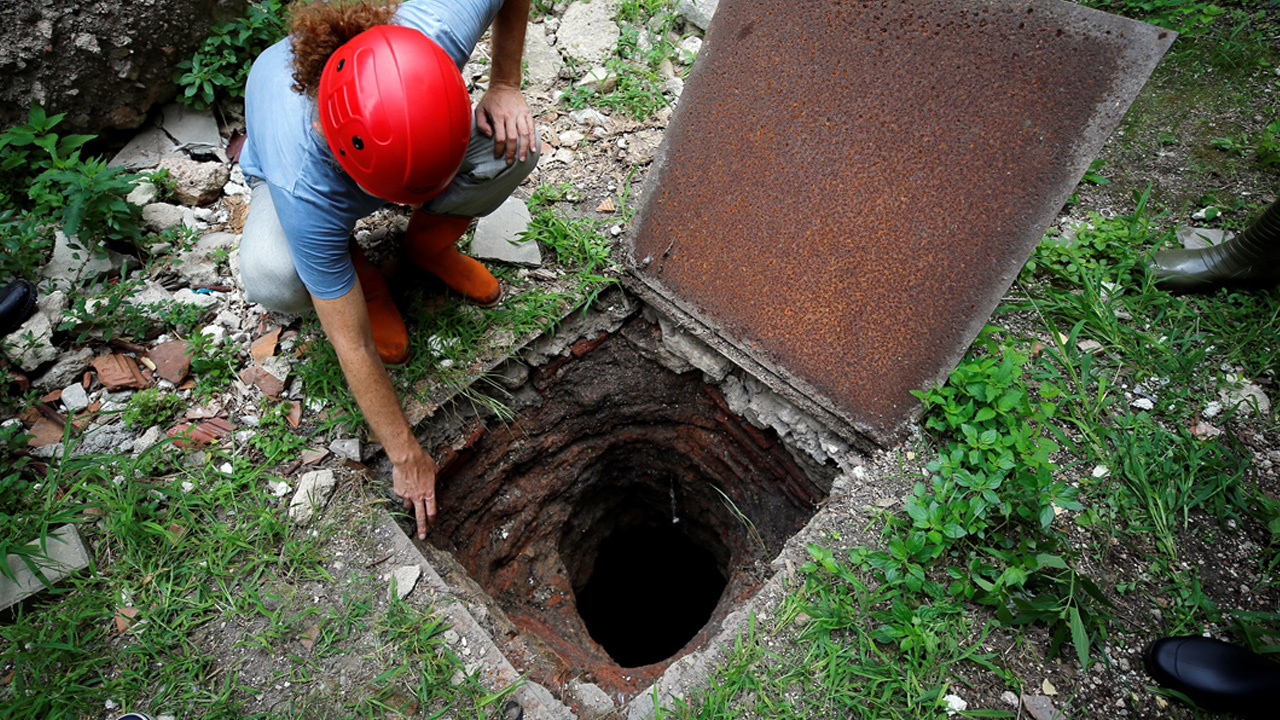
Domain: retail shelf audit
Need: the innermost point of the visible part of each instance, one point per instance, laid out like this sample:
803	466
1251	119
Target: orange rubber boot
430	246
389	333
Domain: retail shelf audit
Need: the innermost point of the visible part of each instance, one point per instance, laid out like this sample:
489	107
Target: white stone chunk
1196	238
145	150
1245	397
75	397
65	553
74	264
31	345
314	490
587	32
698	12
499	236
404	579
542	62
190	127
348	448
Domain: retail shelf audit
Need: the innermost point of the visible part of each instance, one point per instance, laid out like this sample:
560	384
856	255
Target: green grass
646	41
858	652
204	557
1064	437
164	548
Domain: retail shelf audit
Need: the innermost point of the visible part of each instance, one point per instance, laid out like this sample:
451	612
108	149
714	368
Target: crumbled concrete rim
852	491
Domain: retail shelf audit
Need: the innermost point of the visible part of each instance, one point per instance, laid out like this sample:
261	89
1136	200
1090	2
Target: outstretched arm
345	321
502	113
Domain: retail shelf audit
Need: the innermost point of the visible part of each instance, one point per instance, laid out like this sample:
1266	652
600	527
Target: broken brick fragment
172	360
269	384
44	432
118	372
202	434
265	346
124	618
586	345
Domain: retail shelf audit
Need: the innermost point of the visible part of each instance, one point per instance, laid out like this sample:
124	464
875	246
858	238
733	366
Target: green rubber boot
1250	259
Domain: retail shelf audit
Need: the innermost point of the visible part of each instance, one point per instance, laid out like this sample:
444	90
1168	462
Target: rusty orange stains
856	256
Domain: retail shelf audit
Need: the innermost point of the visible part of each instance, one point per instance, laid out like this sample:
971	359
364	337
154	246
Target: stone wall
103	62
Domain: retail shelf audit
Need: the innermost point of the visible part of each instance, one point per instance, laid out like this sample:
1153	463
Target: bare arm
345	321
502	113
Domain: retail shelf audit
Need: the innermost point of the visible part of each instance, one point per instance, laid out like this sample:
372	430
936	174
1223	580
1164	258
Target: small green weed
221	65
151	407
213	363
25	244
179	544
859	653
45	175
275	437
112	313
985	517
1112	245
1267	147
27	510
639	11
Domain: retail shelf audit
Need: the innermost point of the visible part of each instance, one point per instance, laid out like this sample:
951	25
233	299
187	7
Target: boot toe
1215	675
1180	271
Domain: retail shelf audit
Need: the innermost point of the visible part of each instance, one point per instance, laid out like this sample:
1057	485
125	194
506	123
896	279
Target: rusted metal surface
847	188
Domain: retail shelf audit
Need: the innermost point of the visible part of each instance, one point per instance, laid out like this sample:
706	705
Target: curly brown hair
317	29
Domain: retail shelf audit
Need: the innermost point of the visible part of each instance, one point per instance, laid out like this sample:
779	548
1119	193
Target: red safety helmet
395	113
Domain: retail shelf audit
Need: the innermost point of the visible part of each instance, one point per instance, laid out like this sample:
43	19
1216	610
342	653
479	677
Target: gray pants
266	267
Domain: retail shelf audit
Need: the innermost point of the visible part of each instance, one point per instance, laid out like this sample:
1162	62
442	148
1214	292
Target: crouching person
361	105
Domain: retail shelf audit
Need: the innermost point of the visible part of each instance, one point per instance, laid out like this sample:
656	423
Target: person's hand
414	482
503	114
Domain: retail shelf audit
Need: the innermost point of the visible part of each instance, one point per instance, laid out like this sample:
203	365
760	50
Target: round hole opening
650	591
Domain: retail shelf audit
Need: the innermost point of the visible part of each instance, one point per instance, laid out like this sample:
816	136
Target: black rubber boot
1217	676
1250	259
17	303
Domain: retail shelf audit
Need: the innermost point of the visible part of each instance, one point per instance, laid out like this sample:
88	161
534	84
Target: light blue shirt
317	203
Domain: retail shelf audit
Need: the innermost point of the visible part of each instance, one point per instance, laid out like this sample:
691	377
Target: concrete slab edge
860	436
66	552
497	673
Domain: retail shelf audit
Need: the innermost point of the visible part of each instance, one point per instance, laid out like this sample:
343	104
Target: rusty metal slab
847	188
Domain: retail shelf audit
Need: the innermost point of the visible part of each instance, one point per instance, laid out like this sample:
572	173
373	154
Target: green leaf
1046	517
1079	638
1045	560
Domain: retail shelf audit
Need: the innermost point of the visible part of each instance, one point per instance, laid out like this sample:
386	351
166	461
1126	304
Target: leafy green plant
1187	17
275	438
1268	146
639	11
221	65
30	149
1111	245
151	407
213	363
163	184
90	197
44	174
1233	144
984	517
25	244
